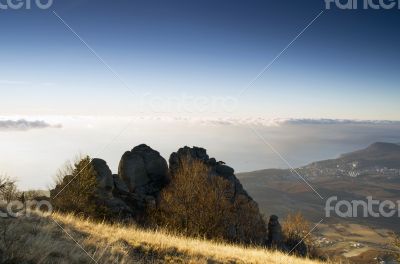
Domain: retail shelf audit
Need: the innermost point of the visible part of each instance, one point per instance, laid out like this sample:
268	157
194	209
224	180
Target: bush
295	226
194	203
296	232
198	204
8	189
76	190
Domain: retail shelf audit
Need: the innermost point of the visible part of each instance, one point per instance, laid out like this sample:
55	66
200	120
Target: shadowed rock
143	170
275	235
105	181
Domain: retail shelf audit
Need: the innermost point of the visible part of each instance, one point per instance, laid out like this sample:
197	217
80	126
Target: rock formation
143	170
248	222
218	168
104	177
275	235
142	175
106	190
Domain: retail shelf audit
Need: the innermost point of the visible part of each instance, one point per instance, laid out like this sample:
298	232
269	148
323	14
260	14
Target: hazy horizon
36	150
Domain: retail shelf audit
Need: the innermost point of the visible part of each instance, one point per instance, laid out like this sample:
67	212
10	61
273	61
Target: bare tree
8	189
296	229
194	203
198	203
296	226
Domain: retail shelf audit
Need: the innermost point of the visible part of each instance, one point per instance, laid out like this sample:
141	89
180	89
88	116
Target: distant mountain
374	170
377	155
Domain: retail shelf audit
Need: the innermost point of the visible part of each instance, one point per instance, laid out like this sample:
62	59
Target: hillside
353	176
377	155
67	239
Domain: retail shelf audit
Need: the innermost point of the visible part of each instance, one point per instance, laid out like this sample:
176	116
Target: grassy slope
51	240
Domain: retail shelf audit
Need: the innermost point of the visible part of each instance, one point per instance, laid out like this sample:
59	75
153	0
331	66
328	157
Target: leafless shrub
8	189
194	203
295	226
296	230
198	204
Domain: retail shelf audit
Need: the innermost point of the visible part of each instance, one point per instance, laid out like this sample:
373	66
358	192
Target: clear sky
345	65
166	63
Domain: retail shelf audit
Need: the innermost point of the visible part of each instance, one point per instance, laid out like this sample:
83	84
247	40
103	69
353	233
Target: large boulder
275	234
105	181
106	190
143	171
120	186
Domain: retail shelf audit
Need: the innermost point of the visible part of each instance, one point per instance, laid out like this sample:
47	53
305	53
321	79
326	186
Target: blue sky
344	66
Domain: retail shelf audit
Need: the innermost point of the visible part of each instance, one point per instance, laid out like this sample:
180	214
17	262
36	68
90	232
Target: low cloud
340	122
25	125
255	121
276	122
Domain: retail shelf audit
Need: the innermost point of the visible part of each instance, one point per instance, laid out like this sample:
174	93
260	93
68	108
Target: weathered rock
107	193
105	181
119	208
120	186
275	235
224	170
143	170
132	171
187	153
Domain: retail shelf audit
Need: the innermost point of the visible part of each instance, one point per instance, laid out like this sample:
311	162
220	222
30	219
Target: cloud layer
276	122
24	125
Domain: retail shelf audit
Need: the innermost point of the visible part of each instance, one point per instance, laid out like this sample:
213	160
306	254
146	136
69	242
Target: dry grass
41	240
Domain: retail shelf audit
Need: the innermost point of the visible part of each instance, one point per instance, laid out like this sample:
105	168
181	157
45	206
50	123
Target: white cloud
24	125
275	122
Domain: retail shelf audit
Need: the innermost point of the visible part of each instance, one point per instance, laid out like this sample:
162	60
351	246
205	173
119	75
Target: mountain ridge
378	155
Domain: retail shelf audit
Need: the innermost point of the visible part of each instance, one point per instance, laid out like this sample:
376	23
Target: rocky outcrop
106	190
217	168
275	235
105	181
142	173
248	222
143	170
